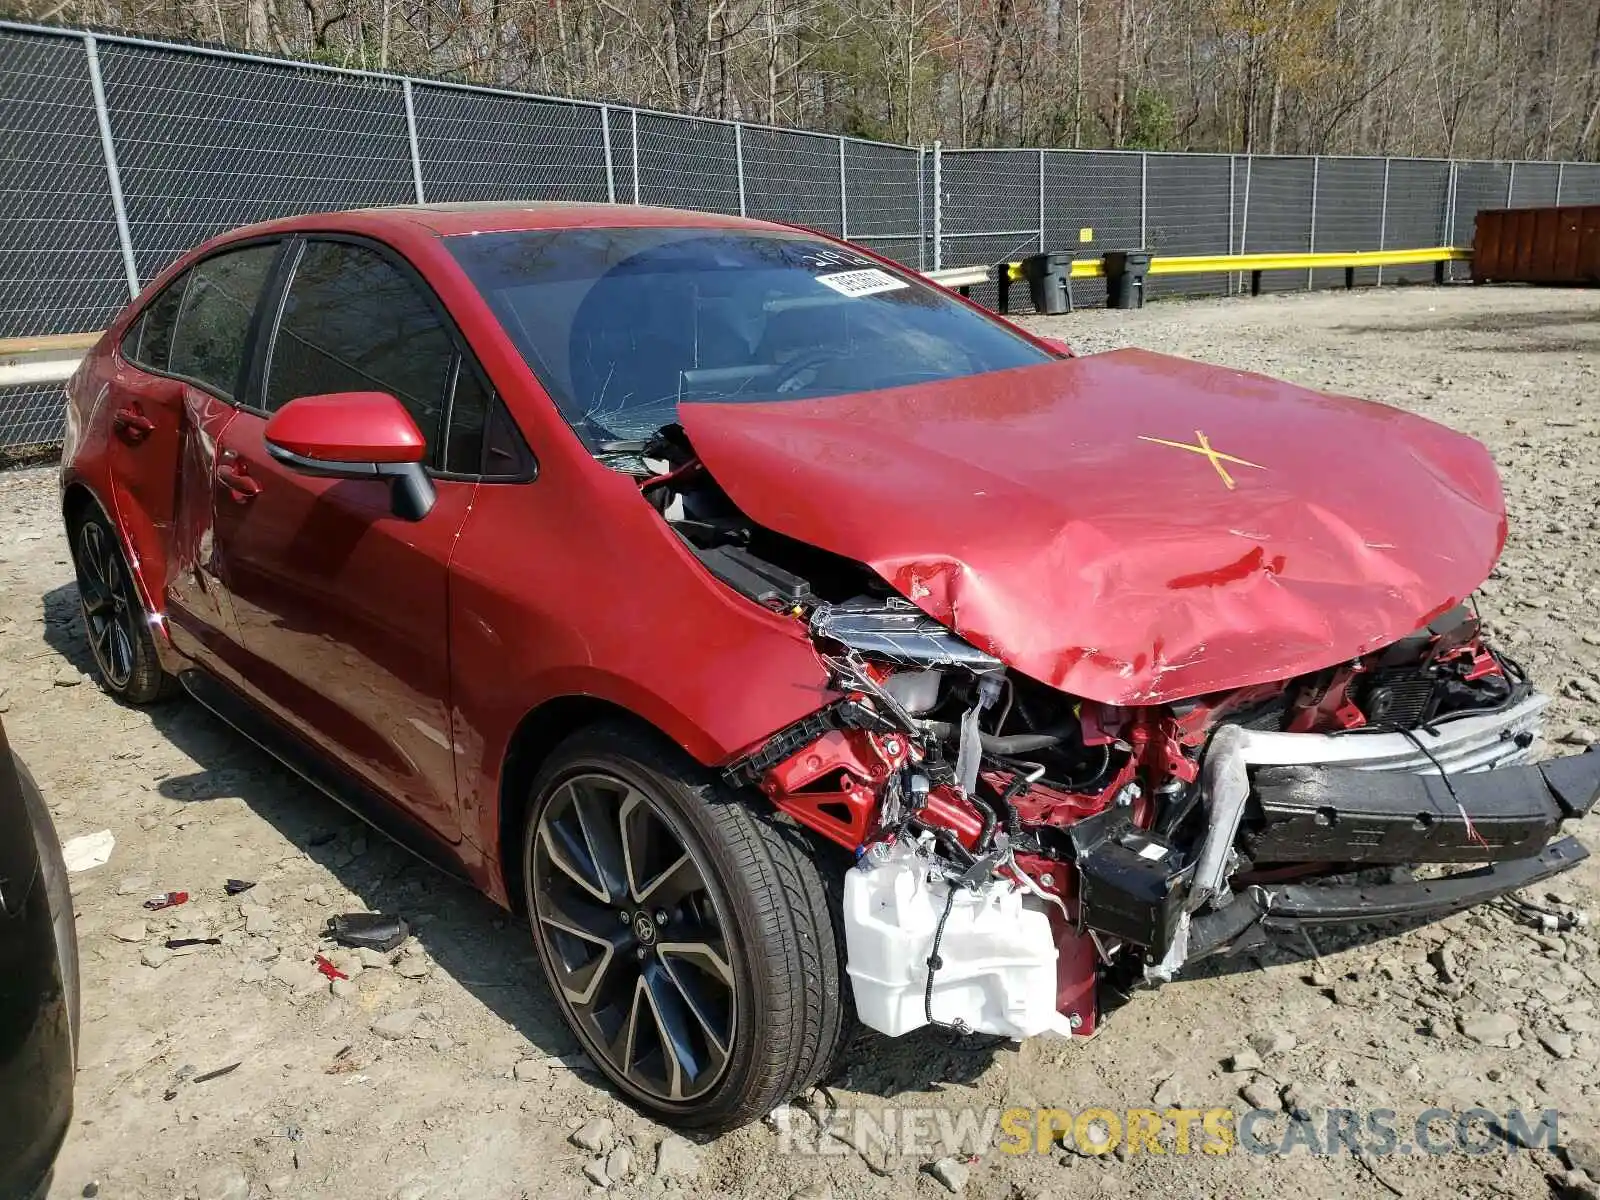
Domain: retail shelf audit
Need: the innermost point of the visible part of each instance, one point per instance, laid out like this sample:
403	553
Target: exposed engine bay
1016	845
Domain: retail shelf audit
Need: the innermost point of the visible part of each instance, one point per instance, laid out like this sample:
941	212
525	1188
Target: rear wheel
688	941
113	616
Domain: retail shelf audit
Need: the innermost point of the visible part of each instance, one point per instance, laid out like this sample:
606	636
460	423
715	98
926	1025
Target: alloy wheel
108	612
634	937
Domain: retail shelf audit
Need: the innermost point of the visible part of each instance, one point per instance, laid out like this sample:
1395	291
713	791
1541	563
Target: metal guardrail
29	361
1199	264
1207	264
52	359
963	279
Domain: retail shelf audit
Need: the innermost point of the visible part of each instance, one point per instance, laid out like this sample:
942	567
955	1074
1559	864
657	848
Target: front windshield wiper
628	455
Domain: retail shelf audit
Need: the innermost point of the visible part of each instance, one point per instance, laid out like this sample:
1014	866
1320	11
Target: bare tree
1440	77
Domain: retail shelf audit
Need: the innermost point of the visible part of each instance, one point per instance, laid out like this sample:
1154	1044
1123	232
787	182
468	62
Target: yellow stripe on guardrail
1086	268
1201	264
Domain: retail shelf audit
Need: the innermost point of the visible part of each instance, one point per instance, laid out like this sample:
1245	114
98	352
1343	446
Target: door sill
327	777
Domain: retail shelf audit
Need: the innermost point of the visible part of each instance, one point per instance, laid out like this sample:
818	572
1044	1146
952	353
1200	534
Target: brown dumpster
1537	245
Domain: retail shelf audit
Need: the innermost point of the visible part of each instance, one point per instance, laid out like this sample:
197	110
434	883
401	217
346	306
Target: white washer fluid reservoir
998	955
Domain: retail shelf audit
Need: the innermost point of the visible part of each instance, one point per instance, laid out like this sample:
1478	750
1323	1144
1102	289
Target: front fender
576	588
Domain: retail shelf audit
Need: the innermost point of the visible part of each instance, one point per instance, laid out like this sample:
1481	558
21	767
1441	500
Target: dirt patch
470	1088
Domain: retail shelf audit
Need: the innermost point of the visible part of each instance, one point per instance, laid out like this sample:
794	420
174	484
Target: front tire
688	941
113	616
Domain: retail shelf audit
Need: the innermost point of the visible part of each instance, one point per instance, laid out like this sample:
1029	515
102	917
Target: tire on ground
791	1009
144	682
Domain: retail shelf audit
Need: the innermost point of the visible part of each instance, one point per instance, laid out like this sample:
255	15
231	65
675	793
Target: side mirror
355	435
1059	346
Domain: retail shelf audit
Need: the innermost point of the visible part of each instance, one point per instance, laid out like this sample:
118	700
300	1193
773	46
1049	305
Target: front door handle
132	424
243	488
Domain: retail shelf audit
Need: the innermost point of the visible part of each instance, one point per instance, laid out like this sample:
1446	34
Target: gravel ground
444	1073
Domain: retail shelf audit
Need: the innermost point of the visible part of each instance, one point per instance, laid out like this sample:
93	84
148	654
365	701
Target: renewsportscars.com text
1376	1132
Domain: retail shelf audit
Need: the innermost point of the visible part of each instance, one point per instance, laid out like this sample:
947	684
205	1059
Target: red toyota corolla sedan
781	630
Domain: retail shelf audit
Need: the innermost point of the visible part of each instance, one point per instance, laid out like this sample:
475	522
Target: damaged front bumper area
1331	814
1259	911
1015	846
1272	829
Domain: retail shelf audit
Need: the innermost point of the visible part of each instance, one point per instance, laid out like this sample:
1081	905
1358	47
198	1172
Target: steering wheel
811	360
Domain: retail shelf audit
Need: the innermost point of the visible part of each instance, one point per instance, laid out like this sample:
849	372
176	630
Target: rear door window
213	326
149	341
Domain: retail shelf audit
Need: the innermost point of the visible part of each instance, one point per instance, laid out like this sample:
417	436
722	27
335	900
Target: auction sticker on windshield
861	283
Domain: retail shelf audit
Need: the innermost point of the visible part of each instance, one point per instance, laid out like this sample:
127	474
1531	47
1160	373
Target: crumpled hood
1076	518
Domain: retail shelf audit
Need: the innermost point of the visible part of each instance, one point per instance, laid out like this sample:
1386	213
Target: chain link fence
1091	204
61	268
118	154
474	145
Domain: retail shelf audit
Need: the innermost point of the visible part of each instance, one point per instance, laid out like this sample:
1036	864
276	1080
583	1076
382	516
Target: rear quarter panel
87	458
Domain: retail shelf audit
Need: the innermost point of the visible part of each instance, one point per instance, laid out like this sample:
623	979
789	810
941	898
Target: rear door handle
244	488
132	424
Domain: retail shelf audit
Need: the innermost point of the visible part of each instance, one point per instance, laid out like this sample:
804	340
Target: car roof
500	216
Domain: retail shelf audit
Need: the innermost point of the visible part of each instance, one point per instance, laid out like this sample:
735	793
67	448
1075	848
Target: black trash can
1125	272
1049	277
